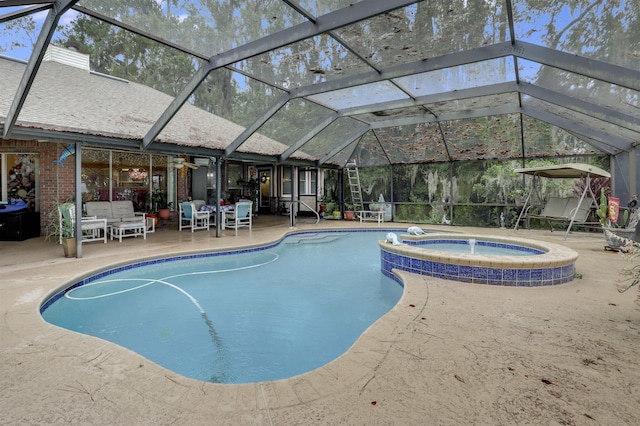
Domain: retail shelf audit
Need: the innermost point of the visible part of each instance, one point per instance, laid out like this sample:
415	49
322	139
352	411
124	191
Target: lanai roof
379	81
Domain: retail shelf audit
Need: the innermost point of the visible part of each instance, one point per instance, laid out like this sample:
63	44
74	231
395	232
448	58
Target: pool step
313	238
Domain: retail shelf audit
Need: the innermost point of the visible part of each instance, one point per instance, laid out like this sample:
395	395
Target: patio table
212	208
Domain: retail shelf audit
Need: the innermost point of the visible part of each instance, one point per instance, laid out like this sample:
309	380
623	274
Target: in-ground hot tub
532	263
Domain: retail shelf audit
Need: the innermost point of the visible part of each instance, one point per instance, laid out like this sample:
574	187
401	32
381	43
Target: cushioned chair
564	210
190	217
93	229
240	217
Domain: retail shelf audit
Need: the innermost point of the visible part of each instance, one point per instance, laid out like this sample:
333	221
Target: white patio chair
190	217
241	217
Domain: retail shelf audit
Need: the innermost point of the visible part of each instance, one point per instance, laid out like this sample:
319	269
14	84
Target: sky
9	35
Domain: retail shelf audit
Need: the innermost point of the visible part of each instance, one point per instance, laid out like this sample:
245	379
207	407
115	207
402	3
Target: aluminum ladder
354	186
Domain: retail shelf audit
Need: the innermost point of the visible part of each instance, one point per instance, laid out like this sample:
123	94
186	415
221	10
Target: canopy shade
569	170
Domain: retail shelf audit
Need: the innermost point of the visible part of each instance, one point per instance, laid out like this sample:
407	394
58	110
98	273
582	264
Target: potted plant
61	228
159	204
322	202
603	210
349	213
164	210
322	206
69	247
335	209
251	190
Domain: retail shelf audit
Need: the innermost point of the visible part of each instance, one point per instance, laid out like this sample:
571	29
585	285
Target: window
234	175
308	181
19	179
114	175
286	181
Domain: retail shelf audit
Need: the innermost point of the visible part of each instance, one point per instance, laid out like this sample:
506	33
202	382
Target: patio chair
190	217
240	217
93	229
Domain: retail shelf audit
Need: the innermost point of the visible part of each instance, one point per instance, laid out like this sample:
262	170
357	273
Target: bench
114	211
366	215
562	209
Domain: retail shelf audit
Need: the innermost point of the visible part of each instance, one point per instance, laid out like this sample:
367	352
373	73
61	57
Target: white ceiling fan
179	162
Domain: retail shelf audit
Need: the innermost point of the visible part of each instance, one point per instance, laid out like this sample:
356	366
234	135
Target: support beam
614	144
175	105
443	135
9	3
633	172
325	23
138	31
219	212
35	60
77	182
348	140
621	76
246	134
585	107
512	31
23	12
306	138
461	115
595	143
484	53
450	96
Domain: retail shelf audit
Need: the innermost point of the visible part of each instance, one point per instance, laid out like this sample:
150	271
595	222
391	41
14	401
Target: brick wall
56	182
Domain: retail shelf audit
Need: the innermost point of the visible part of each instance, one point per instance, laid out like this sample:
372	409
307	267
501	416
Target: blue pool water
253	316
487	248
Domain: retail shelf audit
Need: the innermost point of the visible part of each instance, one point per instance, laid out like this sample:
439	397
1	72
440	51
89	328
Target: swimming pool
254	315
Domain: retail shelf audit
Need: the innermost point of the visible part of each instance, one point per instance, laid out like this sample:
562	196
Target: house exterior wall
55	182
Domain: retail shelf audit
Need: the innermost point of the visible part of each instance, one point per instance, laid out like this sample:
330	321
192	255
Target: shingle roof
66	98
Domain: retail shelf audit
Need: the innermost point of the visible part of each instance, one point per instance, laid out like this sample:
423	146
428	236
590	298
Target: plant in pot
322	202
164	210
602	210
349	213
69	242
61	227
159	204
334	208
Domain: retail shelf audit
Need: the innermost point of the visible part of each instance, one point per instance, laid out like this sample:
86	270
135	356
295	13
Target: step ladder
354	186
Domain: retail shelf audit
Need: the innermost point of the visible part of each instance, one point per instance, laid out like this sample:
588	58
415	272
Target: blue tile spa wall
477	274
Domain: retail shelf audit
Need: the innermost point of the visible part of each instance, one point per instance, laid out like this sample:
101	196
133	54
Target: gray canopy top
569	170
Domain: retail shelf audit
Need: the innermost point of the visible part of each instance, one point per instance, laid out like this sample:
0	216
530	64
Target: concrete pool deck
449	353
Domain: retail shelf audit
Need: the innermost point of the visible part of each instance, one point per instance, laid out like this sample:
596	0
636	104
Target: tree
17	34
120	53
